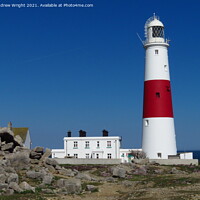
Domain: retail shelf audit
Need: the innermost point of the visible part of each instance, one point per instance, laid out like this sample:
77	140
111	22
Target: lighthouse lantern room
159	140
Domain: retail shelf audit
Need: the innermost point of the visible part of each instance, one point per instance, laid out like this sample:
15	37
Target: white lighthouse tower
159	140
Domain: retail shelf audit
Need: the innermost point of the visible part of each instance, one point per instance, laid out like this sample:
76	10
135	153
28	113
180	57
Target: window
68	154
97	156
168	88
159	155
165	68
108	144
158	94
98	144
146	122
122	155
75	145
109	155
156	51
87	155
75	155
87	144
158	31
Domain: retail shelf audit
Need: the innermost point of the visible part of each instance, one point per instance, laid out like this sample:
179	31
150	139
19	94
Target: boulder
47	179
35	175
35	155
9	192
176	171
51	161
3	178
9	169
19	160
15	187
25	186
21	148
141	170
70	186
3	186
7	147
12	177
48	191
66	172
119	172
83	176
91	188
39	149
46	154
50	168
2	153
18	140
34	161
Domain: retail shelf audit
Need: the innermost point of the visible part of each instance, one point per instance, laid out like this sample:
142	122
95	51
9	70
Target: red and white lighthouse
159	140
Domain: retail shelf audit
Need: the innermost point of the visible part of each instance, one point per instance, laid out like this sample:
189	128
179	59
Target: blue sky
83	68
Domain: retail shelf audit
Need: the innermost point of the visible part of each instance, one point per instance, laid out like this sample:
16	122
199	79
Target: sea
196	153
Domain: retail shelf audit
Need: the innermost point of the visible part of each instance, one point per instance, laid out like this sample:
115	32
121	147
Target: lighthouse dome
155	22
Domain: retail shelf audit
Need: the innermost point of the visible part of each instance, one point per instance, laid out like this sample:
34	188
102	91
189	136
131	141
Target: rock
2	153
39	149
51	161
66	172
7	147
10	169
141	171
15	187
9	192
127	183
46	154
25	186
35	161
176	171
21	148
50	168
71	186
18	140
110	179
3	178
19	160
13	177
91	188
48	191
118	172
141	161
83	176
3	186
58	167
35	155
35	175
47	179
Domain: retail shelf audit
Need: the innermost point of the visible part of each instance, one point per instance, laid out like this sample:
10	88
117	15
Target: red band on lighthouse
157	99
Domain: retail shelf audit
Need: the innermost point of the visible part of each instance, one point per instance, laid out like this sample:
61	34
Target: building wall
186	155
27	142
58	153
92	147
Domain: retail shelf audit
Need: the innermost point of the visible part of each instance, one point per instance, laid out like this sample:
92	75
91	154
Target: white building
105	147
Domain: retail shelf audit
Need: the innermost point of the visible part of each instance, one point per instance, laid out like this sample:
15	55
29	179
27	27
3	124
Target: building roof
22	132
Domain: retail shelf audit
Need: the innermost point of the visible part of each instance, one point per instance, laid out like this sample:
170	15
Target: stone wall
175	161
84	161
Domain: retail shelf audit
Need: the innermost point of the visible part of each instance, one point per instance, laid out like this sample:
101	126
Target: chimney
82	133
105	133
10	125
69	134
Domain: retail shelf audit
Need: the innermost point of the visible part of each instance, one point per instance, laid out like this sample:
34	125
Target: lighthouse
159	139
